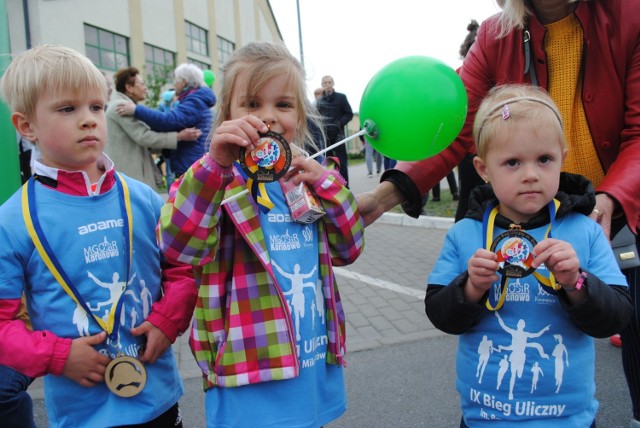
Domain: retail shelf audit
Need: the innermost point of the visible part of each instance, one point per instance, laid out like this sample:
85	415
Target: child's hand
304	170
157	342
233	134
482	267
560	258
84	364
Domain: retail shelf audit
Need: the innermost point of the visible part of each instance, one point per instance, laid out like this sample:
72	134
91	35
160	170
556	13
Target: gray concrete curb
424	221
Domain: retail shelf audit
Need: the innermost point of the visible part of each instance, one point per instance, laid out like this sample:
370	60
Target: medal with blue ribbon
268	162
125	376
513	248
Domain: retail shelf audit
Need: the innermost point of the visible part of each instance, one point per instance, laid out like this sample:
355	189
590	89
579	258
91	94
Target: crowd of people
547	160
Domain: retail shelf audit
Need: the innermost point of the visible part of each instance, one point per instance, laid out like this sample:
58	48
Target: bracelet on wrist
578	285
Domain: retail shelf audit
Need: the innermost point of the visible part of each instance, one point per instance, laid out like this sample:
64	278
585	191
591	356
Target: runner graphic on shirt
115	287
519	343
485	349
537	372
561	358
296	291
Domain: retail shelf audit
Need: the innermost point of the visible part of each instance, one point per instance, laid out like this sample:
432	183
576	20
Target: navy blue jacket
194	110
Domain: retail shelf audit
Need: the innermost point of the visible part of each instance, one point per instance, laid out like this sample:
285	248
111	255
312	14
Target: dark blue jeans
16	408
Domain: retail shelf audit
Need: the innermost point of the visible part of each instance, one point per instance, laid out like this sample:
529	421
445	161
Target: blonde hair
262	61
48	68
507	107
514	14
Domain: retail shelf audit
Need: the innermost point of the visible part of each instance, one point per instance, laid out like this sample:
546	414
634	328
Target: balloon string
315	155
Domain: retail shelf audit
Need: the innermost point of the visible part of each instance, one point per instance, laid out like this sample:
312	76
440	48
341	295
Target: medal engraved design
269	161
125	376
513	248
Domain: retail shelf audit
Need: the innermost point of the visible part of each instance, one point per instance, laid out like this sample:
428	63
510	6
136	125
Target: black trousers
631	341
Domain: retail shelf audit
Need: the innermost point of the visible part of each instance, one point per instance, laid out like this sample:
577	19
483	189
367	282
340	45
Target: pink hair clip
505	112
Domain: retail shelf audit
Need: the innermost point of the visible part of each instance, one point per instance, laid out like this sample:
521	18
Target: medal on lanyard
513	248
265	164
125	376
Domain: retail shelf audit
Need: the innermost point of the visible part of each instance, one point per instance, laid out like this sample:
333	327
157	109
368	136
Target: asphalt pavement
400	369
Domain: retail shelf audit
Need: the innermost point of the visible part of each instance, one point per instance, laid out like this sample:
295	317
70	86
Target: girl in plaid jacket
269	328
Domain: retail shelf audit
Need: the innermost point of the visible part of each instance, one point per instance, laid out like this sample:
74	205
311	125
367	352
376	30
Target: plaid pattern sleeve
188	221
343	224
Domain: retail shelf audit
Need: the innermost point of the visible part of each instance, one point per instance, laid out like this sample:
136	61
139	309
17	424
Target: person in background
369	155
465	167
336	113
592	71
453	188
168	100
531	217
130	140
194	110
267	286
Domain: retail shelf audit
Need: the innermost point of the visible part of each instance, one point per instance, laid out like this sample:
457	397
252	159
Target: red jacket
610	95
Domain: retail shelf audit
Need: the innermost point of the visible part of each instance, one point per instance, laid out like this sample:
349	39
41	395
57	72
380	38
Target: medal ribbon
258	191
488	222
46	253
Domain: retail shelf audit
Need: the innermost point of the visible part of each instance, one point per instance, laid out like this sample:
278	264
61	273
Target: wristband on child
579	283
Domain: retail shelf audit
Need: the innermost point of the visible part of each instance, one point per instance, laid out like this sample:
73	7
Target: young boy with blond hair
79	241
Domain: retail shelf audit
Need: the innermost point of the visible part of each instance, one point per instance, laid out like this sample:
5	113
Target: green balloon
209	77
418	105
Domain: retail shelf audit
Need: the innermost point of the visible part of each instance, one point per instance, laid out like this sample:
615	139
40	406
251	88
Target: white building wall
225	22
62	22
248	32
195	11
158	23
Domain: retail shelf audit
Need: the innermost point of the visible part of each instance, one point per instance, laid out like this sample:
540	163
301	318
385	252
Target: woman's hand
372	204
126	109
189	134
603	212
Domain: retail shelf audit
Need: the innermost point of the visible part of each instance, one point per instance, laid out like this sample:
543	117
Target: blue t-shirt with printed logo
527	362
317	396
86	235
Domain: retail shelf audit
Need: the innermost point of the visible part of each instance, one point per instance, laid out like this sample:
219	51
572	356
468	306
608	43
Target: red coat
611	93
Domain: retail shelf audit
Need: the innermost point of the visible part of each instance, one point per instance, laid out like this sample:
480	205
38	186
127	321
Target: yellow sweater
563	45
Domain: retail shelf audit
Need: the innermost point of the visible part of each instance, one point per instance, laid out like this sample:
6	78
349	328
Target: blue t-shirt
527	363
86	235
317	396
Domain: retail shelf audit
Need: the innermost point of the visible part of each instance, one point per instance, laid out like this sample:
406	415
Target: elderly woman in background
194	110
129	140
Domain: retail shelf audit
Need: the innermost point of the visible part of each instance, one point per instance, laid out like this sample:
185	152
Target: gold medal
269	161
513	248
125	376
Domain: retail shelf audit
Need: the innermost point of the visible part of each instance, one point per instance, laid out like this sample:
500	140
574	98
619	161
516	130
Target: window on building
158	61
107	50
201	65
225	49
196	39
